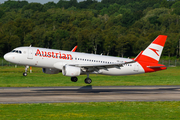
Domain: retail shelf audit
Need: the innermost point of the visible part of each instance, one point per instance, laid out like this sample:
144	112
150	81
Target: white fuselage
56	59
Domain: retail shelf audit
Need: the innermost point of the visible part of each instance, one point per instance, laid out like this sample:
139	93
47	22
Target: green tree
95	40
165	4
82	38
109	42
3	44
28	40
33	6
122	45
127	19
176	8
49	5
1	12
11	4
63	4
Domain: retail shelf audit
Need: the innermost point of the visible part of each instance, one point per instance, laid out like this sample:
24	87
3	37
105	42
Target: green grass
12	77
92	111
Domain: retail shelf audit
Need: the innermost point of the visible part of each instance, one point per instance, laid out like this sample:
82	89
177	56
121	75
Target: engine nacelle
71	71
50	71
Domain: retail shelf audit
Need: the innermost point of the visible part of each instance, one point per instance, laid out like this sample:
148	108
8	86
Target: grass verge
92	111
12	77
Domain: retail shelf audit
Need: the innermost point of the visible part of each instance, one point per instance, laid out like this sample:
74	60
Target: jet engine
71	71
50	71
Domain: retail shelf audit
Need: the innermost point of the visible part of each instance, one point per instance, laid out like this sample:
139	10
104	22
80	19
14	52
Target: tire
88	81
24	74
74	79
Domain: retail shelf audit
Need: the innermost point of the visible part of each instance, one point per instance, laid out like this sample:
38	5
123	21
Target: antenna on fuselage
30	45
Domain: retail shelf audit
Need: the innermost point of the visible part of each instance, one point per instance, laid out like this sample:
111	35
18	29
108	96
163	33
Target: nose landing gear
24	74
26	68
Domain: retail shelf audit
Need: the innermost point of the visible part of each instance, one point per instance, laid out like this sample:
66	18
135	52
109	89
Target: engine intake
71	71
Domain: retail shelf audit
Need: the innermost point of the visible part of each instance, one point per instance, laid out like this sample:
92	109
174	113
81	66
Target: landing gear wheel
24	74
74	79
26	68
88	81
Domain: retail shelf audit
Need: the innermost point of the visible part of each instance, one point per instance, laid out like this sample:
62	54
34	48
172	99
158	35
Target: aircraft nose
7	57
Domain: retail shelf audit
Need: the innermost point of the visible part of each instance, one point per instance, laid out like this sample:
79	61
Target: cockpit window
16	51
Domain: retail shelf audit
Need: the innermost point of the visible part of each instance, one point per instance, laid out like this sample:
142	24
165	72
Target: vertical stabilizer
153	52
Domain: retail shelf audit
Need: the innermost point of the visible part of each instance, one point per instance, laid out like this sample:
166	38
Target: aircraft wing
102	66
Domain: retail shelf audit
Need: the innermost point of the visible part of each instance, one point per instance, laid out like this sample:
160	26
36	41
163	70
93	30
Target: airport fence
168	63
5	63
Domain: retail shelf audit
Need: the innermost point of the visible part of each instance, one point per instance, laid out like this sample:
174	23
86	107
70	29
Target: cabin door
30	53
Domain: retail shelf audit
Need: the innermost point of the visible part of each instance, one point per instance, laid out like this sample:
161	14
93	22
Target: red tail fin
153	52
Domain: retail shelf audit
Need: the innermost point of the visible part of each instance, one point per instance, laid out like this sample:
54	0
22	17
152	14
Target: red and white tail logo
153	52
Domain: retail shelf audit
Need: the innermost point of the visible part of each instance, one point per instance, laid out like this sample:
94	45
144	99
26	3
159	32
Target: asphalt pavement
88	94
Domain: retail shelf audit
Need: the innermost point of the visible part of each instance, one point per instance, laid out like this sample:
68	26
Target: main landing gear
87	80
25	73
74	79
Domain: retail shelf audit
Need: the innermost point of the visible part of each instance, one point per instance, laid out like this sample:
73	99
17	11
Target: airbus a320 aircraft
73	64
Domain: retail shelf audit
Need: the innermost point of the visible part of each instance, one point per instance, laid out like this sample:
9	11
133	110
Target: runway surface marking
89	94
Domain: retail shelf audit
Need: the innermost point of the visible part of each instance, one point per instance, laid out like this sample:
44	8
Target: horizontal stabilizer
156	66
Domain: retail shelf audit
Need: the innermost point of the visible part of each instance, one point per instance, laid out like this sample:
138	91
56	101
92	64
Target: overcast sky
39	1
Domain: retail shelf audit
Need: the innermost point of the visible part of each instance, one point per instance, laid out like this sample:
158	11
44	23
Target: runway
89	94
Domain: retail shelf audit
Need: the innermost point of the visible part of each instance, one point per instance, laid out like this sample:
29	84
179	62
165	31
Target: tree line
110	27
